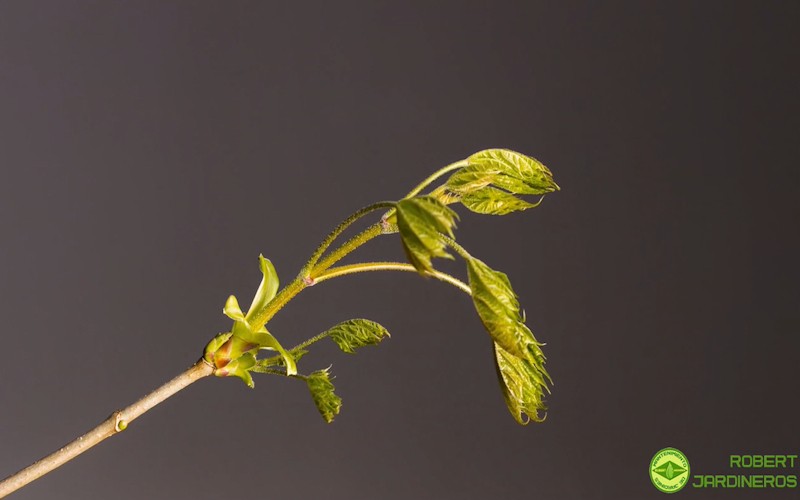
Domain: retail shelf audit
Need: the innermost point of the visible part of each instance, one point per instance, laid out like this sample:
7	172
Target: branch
117	422
388	266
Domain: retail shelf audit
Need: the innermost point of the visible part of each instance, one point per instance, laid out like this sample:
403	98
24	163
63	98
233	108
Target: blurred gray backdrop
149	151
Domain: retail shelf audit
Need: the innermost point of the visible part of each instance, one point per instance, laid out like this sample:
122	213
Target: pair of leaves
421	220
476	185
247	339
518	356
349	336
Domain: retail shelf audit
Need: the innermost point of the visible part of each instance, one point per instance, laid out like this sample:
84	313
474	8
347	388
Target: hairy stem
286	294
350	245
314	268
271	371
308	274
455	246
389	266
114	424
261	317
306	271
352	269
422	185
275	360
310	341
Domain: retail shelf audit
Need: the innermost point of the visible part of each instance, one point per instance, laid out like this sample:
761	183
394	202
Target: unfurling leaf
267	341
240	344
420	220
279	360
522	382
244	338
511	172
494	202
518	355
267	289
328	403
470	179
296	355
232	309
214	344
356	333
239	367
445	196
498	307
515	172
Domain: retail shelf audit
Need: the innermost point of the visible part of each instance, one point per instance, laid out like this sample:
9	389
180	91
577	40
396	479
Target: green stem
314	268
422	185
310	341
286	294
389	266
306	271
271	371
353	243
308	277
455	246
275	360
360	268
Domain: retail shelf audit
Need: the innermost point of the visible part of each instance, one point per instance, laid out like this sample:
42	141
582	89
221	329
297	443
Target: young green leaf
445	195
420	220
241	344
498	307
214	344
328	403
494	202
239	367
296	355
471	178
279	361
232	309
522	382
356	333
267	289
260	339
267	341
518	173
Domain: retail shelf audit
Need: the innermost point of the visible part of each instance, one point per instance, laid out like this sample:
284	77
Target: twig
114	424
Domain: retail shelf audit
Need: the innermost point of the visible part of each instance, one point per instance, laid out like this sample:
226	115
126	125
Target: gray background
149	151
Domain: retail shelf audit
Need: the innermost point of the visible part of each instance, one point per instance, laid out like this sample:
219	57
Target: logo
669	470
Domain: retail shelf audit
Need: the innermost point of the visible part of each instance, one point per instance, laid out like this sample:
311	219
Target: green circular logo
669	470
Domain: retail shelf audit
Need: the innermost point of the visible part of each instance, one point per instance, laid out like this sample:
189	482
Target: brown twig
114	424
